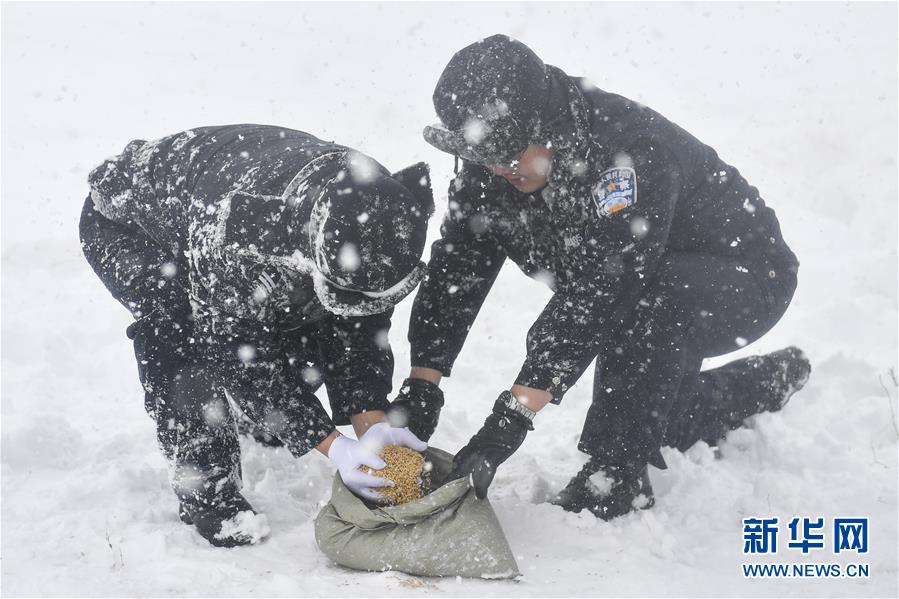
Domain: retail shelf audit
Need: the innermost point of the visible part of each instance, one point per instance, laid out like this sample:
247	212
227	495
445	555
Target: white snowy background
800	97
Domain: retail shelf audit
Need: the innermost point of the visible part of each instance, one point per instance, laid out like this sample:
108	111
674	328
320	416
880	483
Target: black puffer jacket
625	188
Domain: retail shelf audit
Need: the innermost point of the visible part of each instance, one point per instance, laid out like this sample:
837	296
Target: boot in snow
630	490
792	370
741	389
225	521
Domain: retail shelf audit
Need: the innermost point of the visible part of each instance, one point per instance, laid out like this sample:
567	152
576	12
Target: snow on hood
334	297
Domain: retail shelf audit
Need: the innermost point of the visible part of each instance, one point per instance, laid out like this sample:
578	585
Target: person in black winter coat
259	263
659	255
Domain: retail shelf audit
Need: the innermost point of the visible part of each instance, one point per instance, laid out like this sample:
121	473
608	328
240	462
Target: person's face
527	172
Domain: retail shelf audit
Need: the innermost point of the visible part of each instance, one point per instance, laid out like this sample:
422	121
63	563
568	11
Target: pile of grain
407	469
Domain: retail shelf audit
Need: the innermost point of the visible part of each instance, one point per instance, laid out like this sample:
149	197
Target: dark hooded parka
635	210
264	261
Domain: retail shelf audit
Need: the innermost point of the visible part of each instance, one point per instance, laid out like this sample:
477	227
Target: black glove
417	406
164	330
503	432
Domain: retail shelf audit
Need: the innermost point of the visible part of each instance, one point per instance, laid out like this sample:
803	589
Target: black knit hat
490	98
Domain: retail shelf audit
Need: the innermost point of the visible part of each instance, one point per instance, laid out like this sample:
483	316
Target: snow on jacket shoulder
213	197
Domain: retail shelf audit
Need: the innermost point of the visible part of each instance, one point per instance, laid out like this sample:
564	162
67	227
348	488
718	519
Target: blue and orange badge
615	191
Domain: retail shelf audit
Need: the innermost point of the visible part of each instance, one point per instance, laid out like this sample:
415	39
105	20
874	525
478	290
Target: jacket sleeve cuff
540	378
347	404
423	360
306	434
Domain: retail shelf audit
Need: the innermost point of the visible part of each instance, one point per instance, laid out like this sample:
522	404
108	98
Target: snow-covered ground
801	97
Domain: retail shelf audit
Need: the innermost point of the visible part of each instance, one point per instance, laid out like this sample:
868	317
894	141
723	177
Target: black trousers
184	378
195	426
648	390
186	386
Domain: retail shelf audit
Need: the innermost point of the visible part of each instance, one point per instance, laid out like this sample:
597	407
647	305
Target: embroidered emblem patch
616	190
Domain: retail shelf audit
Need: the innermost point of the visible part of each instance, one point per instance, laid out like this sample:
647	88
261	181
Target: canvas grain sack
448	532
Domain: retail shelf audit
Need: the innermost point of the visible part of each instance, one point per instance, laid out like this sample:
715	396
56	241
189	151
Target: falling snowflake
362	168
215	413
639	227
169	270
311	375
246	353
475	130
348	258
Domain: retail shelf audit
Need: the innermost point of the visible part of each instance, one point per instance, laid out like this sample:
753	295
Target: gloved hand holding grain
408	471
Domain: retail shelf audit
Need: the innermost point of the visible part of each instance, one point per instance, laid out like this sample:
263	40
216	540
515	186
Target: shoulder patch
615	191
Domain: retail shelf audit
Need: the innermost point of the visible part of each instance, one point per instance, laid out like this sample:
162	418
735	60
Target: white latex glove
348	455
382	434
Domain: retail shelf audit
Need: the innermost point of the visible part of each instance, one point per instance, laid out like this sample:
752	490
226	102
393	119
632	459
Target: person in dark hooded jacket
259	263
659	255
